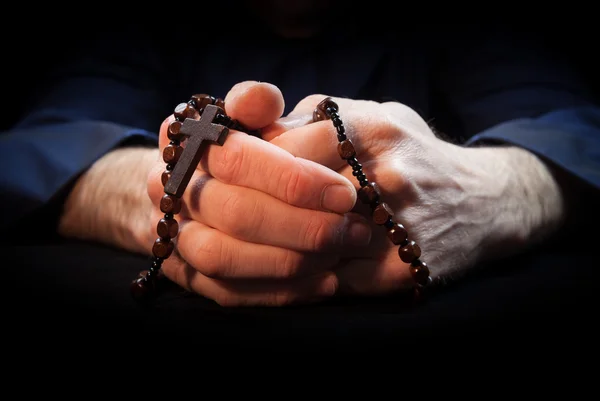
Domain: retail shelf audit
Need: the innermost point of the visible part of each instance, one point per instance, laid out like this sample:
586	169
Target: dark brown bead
165	177
167	228
142	290
142	274
202	100
397	234
382	214
172	153
409	252
319	114
327	103
220	103
162	248
420	272
173	131
369	194
170	204
346	149
184	110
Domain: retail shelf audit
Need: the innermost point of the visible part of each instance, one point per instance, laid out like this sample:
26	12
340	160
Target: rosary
201	121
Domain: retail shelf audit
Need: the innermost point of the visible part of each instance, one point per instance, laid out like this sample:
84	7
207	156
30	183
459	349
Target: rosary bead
184	110
420	272
201	100
352	161
162	248
168	216
173	131
165	177
337	121
369	193
170	204
169	167
141	289
220	103
382	214
167	228
410	252
341	130
346	149
171	154
397	234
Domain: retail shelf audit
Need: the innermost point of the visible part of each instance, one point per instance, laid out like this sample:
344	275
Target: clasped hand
275	221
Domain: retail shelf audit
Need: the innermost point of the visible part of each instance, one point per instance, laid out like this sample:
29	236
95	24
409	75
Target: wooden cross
197	131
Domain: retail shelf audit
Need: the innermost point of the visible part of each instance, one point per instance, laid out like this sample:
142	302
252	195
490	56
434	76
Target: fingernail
358	233
338	198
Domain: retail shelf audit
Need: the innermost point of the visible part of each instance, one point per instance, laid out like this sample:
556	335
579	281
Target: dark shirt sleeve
511	89
105	97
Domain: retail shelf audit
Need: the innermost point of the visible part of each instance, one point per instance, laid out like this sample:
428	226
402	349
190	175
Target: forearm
109	203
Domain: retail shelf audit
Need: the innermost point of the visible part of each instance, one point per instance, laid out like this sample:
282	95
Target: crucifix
198	132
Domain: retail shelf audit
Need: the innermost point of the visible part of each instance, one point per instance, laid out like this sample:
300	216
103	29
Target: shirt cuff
41	161
570	138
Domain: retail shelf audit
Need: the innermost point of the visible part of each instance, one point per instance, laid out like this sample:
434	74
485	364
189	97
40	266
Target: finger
250	162
318	141
373	276
284	124
254	104
217	255
253	216
254	292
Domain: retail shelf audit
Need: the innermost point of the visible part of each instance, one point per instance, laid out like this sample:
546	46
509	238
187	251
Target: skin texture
259	227
245	240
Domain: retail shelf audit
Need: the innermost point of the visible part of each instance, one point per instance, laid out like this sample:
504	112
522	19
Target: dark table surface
77	290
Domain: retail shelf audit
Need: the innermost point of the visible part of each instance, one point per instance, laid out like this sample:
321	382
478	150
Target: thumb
254	104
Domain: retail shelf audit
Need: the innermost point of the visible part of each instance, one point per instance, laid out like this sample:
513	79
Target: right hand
259	226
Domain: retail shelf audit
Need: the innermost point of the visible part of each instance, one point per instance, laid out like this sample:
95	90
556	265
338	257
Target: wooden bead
167	228
162	248
382	214
184	110
327	103
170	204
397	234
220	103
320	112
409	252
172	153
165	177
142	289
202	100
173	131
369	194
420	272
346	149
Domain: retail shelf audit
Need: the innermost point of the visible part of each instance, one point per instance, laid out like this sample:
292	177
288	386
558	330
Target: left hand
460	205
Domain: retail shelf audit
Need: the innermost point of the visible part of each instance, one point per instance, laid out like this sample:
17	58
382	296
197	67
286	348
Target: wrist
525	200
109	202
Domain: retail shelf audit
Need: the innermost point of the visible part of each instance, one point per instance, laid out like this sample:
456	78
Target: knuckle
208	257
292	182
289	265
241	215
312	100
230	162
319	234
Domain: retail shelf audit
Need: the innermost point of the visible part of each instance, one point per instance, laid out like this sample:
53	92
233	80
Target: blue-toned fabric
570	138
39	163
117	92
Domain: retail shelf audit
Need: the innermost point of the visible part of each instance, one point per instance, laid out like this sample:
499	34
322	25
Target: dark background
74	291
